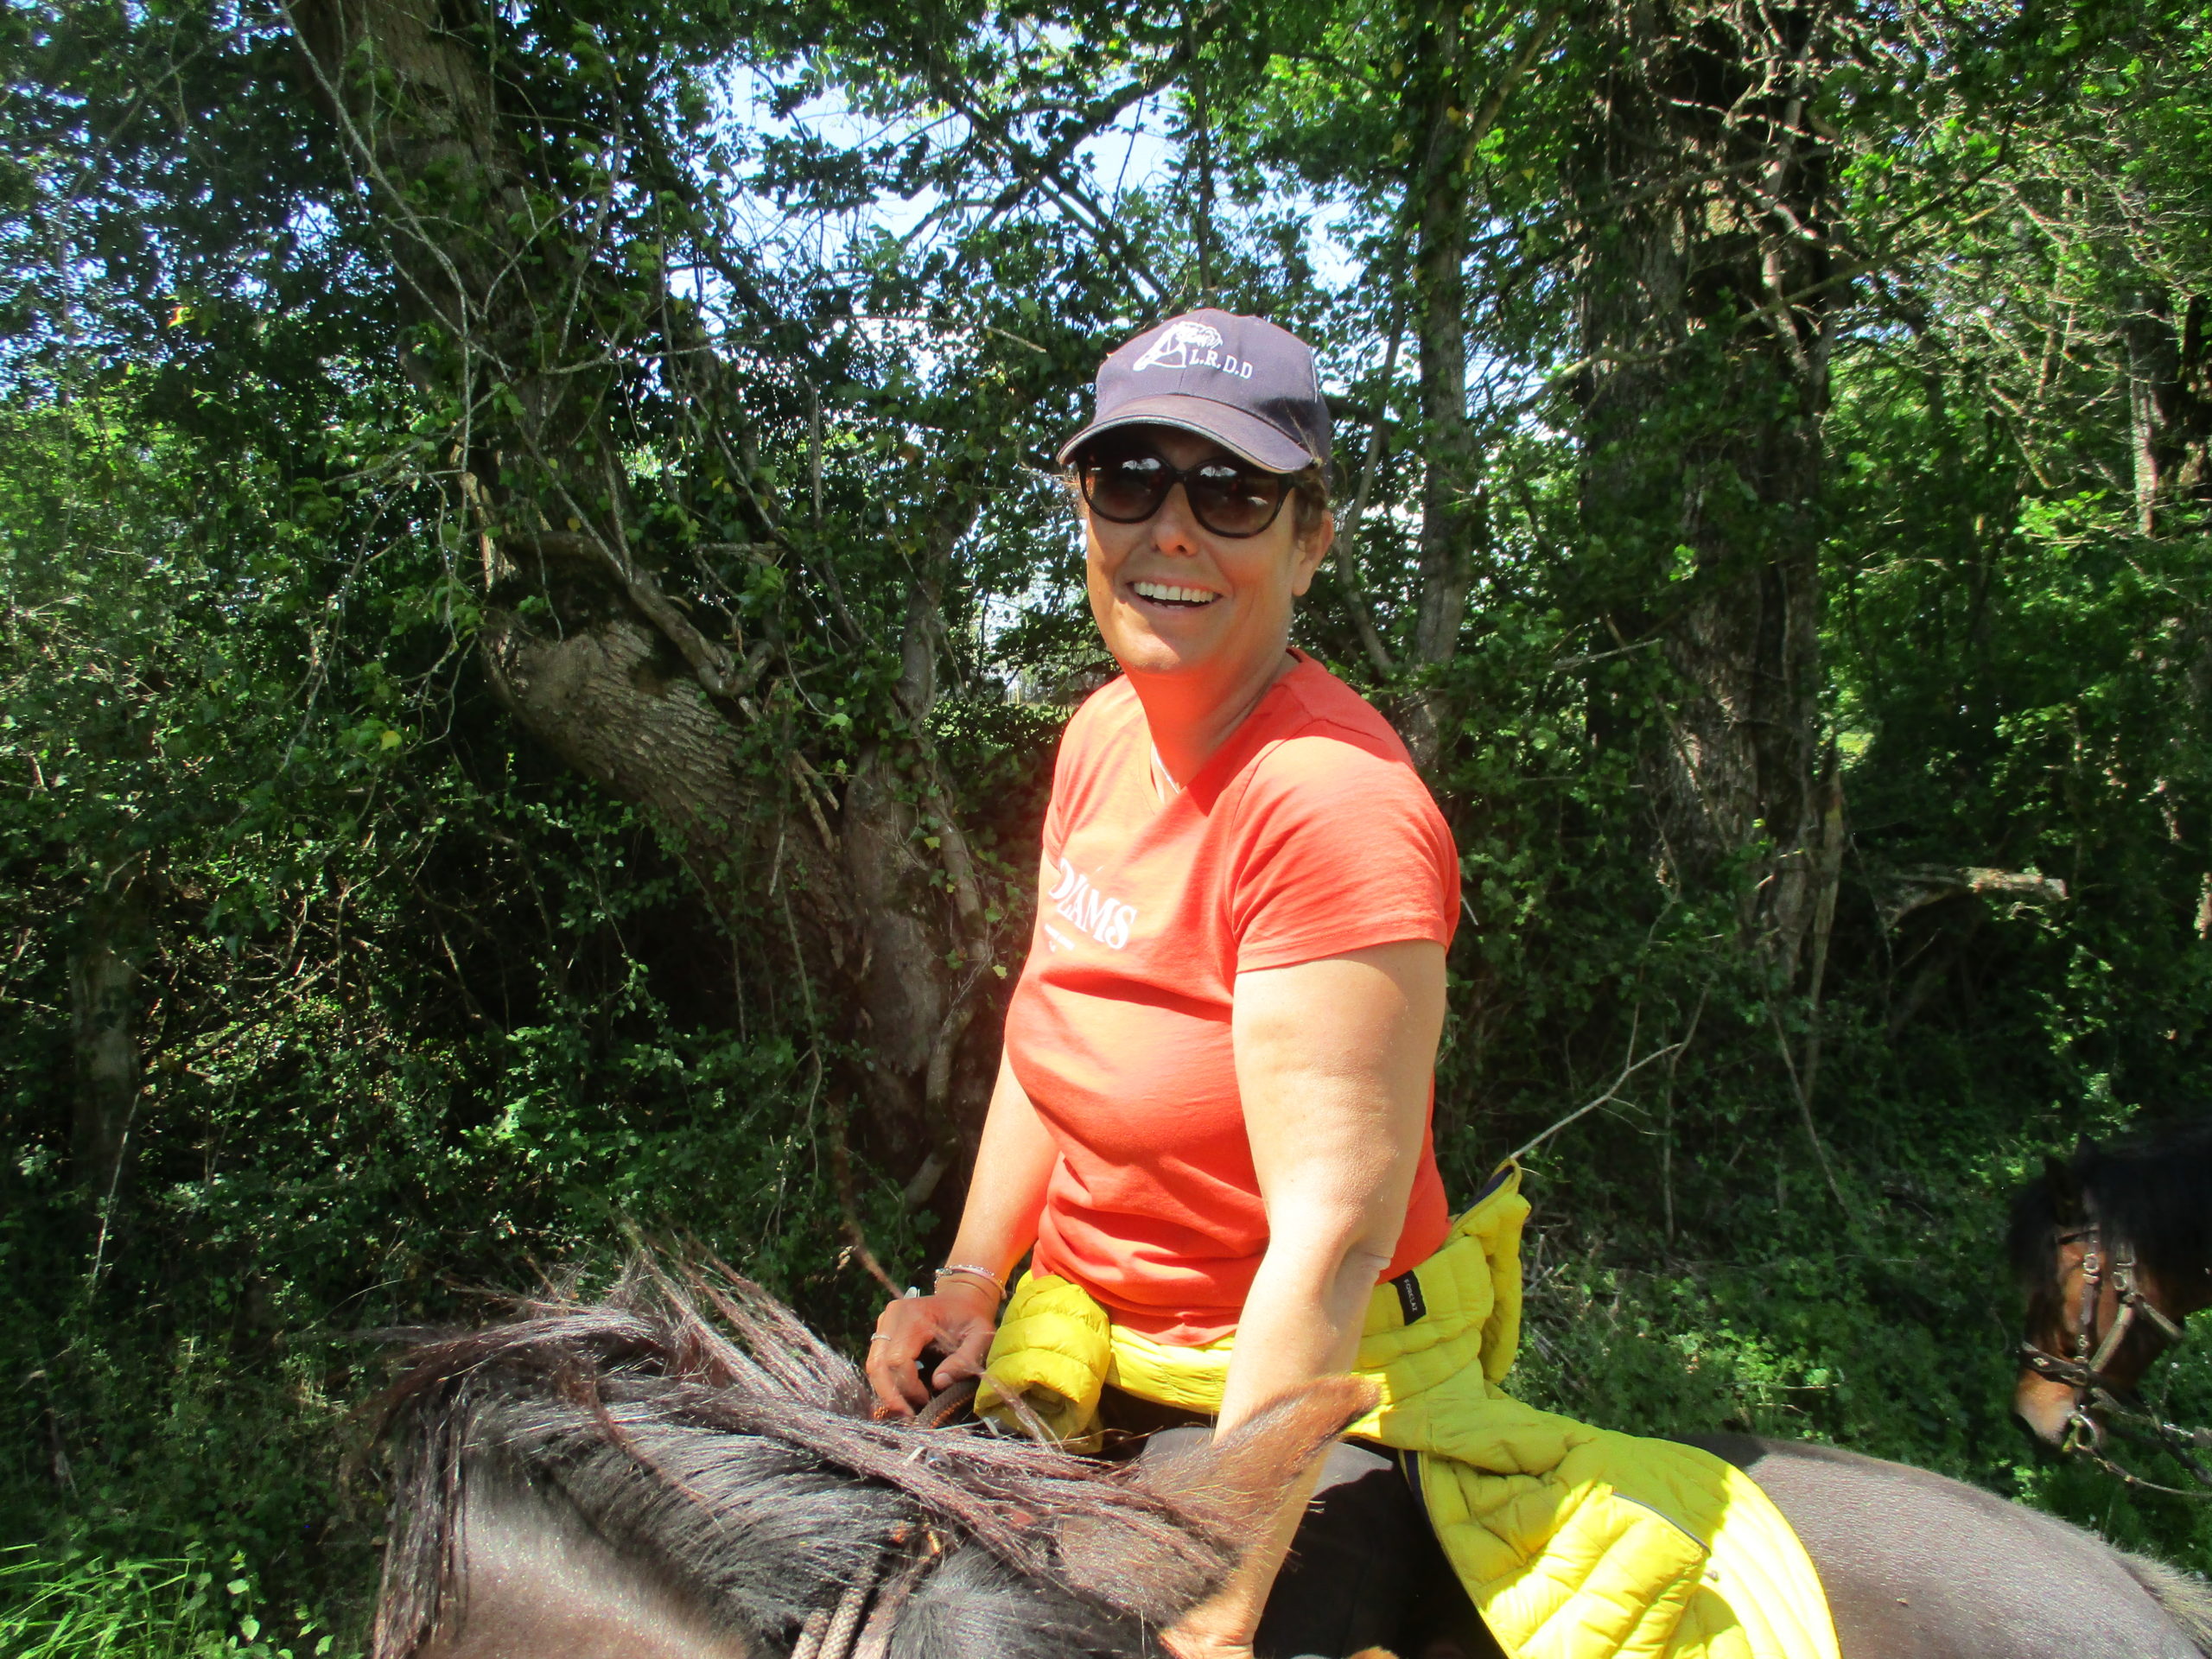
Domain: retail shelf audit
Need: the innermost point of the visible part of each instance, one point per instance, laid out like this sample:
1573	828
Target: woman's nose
1174	529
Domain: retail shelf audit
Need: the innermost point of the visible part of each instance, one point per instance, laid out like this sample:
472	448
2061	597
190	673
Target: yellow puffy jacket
1574	1543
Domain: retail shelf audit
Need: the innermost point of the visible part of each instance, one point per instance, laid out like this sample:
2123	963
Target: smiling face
1174	599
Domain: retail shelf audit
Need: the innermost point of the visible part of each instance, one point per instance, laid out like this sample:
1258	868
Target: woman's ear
1312	547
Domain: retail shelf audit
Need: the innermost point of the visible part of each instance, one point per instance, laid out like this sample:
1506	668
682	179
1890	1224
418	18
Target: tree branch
1347	561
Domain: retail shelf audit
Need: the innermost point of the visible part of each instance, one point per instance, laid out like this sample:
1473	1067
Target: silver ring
880	1336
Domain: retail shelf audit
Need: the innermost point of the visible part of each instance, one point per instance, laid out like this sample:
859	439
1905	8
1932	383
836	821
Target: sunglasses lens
1126	489
1232	500
1127	486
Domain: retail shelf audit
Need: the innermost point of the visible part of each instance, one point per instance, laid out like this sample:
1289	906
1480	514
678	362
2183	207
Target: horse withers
2113	1247
682	1471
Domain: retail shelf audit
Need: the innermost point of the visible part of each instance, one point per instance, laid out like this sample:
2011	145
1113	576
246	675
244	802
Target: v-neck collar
1156	770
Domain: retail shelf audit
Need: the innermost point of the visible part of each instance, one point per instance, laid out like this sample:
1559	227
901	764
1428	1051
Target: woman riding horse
1211	1123
1212	1113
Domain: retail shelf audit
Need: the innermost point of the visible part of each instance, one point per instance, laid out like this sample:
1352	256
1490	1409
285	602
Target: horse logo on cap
1172	349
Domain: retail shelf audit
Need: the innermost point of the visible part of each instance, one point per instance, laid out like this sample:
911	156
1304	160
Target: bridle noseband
2100	1408
2080	1368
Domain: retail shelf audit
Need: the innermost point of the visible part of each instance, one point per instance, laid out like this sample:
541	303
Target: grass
70	1605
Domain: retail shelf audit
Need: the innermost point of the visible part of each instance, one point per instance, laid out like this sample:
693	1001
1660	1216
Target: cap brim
1239	431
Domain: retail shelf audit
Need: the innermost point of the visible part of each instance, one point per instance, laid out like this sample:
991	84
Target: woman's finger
883	1381
901	1334
1184	1645
966	1360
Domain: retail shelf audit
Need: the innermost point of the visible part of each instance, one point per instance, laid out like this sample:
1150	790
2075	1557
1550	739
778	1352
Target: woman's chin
1143	650
1158	662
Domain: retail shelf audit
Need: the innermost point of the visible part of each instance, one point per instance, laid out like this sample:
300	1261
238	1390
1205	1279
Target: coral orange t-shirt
1307	835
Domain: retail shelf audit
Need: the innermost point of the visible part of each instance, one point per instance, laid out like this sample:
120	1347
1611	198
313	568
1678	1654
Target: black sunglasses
1125	484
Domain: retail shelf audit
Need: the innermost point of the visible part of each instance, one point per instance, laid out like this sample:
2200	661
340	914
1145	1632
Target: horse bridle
2080	1368
859	1624
2100	1408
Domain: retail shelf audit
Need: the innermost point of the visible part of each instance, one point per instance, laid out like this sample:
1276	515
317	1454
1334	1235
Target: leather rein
2100	1409
859	1624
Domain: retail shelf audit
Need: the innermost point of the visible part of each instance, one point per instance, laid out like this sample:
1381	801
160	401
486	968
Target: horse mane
695	1424
2184	1598
2146	1188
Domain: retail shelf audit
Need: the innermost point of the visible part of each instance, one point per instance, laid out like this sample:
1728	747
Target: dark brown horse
683	1472
2113	1247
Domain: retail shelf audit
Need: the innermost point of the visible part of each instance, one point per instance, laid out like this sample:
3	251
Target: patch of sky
754	120
1143	153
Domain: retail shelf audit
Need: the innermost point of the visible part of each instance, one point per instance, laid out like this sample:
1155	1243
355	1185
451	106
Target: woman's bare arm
1005	1197
1334	1060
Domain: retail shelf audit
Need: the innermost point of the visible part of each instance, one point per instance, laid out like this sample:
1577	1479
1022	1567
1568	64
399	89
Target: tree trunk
1455	509
1705	309
106	964
581	640
1450	462
2170	403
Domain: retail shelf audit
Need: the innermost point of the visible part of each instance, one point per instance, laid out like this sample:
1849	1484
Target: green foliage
425	1011
94	1607
421	1012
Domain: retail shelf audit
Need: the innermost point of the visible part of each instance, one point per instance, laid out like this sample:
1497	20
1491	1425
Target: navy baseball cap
1249	385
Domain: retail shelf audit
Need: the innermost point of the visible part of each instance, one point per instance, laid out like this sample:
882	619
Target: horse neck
533	1579
2177	1295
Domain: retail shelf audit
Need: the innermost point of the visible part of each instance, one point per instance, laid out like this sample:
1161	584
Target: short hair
1309	490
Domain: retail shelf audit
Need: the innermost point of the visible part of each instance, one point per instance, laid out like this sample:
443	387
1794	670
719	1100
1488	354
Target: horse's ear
1235	1483
2058	1179
1229	1487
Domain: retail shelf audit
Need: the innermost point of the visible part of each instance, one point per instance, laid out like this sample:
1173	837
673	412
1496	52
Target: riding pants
1363	1560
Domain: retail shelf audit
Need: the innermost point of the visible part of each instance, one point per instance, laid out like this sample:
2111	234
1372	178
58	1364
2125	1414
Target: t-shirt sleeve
1340	847
1056	829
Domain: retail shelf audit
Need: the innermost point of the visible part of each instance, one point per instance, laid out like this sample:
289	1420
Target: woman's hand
1203	1647
1194	1637
1005	1195
958	1322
